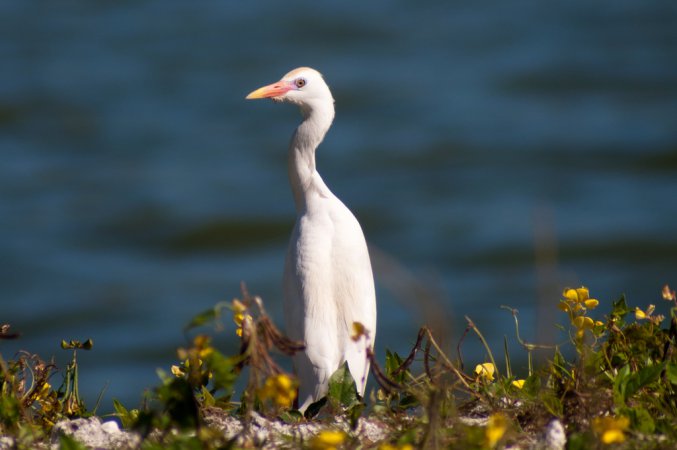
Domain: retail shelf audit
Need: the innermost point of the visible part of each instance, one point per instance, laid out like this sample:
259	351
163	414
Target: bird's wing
353	292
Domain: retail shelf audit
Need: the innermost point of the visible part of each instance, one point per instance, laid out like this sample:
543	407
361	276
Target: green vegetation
619	388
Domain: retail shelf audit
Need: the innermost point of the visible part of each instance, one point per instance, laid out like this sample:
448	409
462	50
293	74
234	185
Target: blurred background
494	152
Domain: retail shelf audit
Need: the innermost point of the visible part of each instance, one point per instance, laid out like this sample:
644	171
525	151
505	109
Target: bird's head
303	86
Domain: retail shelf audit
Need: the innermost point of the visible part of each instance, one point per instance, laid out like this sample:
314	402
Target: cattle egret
328	282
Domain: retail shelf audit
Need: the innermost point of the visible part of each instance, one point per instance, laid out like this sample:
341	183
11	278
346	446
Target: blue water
494	152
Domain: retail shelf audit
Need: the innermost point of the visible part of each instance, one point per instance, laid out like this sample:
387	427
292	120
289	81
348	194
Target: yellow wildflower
381	395
579	295
280	388
201	340
583	294
44	392
240	319
203	343
519	384
583	323
641	315
570	294
611	430
591	303
648	315
176	370
238	307
496	428
485	371
387	446
328	440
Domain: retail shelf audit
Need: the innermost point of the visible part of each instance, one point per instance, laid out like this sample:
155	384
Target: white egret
328	281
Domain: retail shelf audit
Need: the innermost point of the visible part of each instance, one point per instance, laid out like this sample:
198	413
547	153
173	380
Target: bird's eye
300	82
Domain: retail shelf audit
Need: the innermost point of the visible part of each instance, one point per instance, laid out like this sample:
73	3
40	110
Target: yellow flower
279	388
583	323
591	303
205	352
571	294
583	294
640	315
240	319
176	370
238	306
44	392
387	446
328	440
202	343
485	371
611	430
579	295
599	323
496	428
519	384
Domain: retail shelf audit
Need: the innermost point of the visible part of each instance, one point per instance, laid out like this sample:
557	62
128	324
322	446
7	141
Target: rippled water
494	152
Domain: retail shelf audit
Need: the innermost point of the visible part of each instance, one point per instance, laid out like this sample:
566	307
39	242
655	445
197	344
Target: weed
618	388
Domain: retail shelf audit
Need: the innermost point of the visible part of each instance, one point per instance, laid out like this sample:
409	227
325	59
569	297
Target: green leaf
408	401
342	392
68	443
207	397
642	378
641	419
620	385
671	373
291	416
553	404
10	410
393	362
126	417
620	309
201	319
207	316
354	414
179	403
532	385
224	371
581	441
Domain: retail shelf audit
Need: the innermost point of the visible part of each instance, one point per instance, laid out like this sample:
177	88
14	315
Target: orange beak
272	90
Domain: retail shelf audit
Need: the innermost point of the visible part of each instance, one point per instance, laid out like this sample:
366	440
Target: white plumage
328	281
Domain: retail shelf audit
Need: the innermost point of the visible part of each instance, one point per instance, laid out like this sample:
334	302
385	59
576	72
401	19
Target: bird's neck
303	175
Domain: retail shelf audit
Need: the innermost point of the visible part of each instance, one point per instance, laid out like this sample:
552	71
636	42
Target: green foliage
180	403
68	443
342	394
127	417
627	383
27	399
613	382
